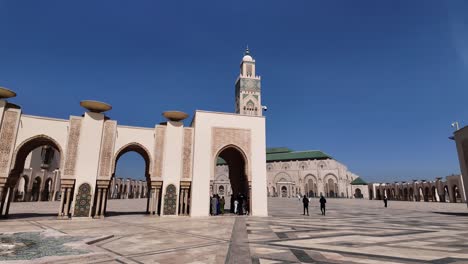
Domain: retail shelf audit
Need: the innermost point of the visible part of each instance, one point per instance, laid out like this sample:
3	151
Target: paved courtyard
353	231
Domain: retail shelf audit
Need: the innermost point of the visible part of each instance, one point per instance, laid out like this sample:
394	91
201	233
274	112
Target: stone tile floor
353	231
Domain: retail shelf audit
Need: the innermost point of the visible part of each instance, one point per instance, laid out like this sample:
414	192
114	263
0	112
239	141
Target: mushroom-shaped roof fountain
95	106
6	93
175	115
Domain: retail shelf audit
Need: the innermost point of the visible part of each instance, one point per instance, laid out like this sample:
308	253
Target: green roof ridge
358	181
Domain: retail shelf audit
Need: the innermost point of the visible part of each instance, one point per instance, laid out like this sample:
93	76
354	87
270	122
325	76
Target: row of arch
428	193
284	186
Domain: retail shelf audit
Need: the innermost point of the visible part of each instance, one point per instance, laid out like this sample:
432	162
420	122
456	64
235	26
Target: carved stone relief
7	138
72	146
107	148
158	151
187	154
222	137
83	201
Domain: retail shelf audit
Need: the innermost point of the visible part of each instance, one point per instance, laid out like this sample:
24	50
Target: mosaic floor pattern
353	231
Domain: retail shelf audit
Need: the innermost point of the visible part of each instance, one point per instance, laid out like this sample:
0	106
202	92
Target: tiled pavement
353	231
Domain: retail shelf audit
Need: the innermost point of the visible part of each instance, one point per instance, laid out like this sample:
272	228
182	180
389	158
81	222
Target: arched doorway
378	196
331	187
405	194
131	165
237	170
411	194
20	155
284	191
426	194
358	193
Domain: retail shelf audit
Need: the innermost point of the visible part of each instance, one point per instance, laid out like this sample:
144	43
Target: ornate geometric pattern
7	136
187	154
250	85
222	137
72	146
158	151
83	201
170	200
107	148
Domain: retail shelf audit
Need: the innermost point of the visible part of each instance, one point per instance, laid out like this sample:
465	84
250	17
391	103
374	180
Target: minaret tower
248	93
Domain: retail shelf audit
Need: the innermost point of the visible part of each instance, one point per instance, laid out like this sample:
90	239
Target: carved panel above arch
222	137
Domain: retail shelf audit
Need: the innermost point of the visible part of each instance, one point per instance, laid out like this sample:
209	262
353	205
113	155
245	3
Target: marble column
99	201
62	199
67	205
103	206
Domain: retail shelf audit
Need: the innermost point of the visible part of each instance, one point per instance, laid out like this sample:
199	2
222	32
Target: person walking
231	204
213	205
221	204
236	206
323	201
385	201
305	201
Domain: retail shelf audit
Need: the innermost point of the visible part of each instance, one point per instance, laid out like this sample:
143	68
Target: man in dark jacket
323	201
385	201
305	201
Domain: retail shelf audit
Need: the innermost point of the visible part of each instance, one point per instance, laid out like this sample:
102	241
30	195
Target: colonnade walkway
353	231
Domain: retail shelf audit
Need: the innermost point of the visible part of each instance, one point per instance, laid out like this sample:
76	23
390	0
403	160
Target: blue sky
375	84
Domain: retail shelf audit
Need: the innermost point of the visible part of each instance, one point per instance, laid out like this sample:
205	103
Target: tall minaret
248	93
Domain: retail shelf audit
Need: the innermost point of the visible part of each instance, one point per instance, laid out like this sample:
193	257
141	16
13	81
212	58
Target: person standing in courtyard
213	205
385	201
232	204
221	204
323	201
305	201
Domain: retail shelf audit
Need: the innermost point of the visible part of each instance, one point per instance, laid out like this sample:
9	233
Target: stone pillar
184	192
103	206
102	186
8	200
60	213
97	214
66	186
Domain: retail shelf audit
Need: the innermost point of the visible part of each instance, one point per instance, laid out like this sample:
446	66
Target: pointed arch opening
234	197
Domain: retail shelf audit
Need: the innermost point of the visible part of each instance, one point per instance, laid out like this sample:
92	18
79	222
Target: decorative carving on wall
222	137
7	138
158	151
187	154
83	201
107	148
72	146
170	200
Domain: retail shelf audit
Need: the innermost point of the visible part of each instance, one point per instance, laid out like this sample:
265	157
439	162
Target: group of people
305	202
239	204
322	202
217	205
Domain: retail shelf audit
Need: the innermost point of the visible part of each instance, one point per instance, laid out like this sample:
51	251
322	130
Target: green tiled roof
220	161
286	154
278	150
358	181
297	155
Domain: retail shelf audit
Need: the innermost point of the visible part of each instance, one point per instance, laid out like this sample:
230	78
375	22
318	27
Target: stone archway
127	188
237	163
18	161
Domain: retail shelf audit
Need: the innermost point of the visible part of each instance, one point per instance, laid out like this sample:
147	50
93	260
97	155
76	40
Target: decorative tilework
170	200
83	201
